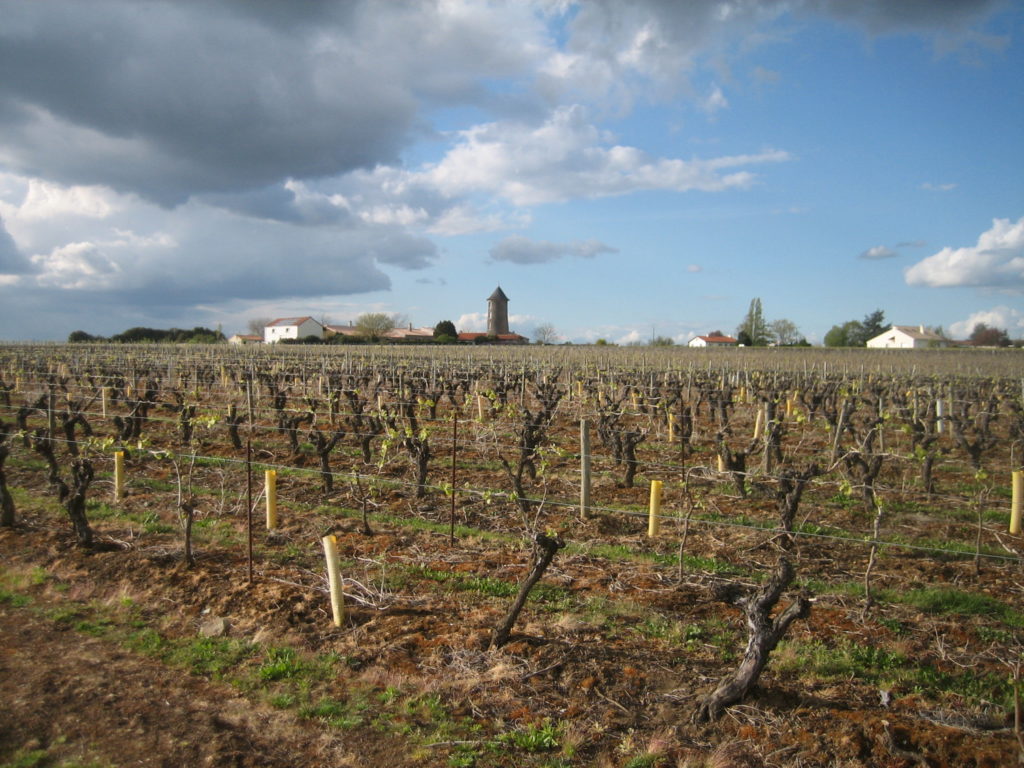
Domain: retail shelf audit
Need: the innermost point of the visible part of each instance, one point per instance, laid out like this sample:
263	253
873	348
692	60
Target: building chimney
921	328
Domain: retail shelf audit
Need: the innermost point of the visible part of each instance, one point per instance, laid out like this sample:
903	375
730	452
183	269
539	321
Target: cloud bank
165	156
996	261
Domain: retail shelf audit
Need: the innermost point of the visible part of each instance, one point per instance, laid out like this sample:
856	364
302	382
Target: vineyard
546	556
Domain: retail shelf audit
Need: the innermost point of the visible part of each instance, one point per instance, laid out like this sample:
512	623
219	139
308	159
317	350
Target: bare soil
123	655
78	693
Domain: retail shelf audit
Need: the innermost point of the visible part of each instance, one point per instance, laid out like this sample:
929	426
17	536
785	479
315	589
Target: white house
292	328
712	341
245	338
907	337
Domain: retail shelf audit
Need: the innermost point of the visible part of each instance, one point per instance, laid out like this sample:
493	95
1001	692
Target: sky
621	169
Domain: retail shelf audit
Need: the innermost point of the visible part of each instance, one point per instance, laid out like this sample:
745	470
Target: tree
76	337
445	331
784	332
753	331
662	341
846	335
257	324
373	325
983	336
545	333
873	325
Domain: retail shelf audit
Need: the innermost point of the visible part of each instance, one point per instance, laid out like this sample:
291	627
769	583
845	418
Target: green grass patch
658	627
14	599
549	596
281	664
33	758
215	532
890	669
337	714
543	737
148	520
624	553
943	600
210	656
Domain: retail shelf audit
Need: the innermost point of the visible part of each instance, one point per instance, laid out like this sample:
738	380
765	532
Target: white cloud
567	157
878	252
694	268
997	261
400	215
714	101
929	187
1007	318
632	337
464	219
472	322
46	200
76	266
476	322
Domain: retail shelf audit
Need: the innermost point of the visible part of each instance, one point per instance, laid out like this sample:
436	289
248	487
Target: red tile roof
290	321
473	336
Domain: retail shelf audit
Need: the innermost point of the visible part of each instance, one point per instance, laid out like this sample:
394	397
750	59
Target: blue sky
620	169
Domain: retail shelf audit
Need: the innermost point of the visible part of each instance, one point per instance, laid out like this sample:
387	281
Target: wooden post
654	519
270	485
334	579
118	476
1015	502
584	469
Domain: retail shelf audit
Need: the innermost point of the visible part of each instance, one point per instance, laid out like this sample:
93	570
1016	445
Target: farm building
410	334
907	337
500	338
292	328
395	334
713	341
245	338
341	330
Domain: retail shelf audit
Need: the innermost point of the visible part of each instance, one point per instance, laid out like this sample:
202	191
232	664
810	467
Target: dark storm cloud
268	260
522	250
172	99
883	16
278	203
169	99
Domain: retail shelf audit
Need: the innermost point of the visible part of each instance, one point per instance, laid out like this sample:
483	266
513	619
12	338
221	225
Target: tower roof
498	295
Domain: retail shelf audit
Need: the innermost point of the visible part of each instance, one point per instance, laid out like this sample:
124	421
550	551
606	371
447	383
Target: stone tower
497	313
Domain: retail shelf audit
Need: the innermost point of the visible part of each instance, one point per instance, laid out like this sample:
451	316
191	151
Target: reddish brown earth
83	696
612	659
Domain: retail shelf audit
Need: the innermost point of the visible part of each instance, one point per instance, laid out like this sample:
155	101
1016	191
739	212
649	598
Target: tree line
197	335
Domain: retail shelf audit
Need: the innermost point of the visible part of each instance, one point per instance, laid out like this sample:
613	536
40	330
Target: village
309	329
